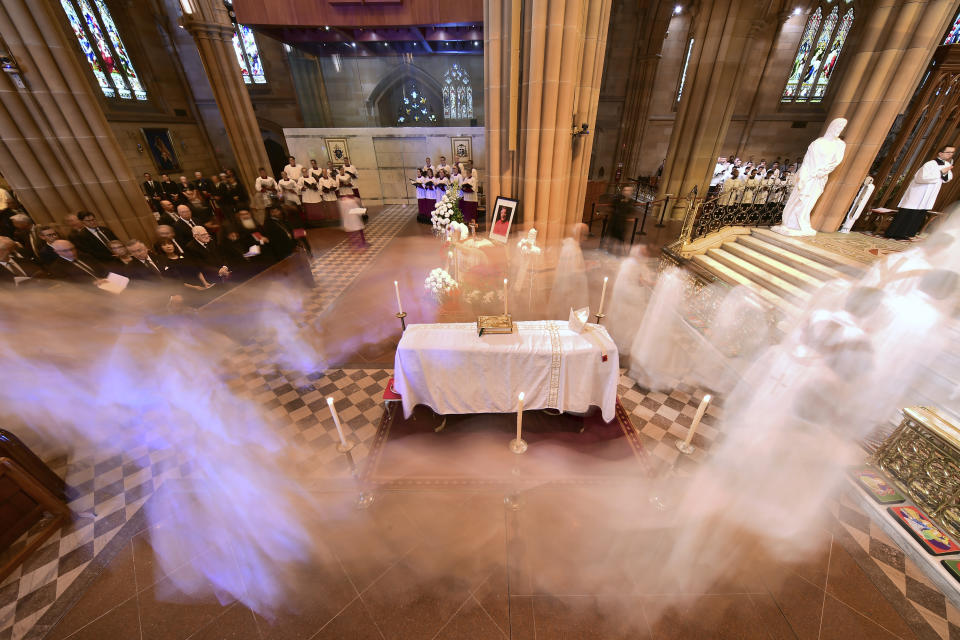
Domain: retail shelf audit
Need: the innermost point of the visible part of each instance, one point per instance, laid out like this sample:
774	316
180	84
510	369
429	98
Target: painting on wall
462	149
337	150
160	144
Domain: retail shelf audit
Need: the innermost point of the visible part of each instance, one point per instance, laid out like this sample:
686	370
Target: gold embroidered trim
555	346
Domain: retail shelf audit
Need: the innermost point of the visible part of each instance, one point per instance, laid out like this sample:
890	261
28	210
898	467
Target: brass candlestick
599	316
403	323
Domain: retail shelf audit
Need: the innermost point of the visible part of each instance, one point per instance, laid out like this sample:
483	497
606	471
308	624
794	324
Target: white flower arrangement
440	284
446	211
458	231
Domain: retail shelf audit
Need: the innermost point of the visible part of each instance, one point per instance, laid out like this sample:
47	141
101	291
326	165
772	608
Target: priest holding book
920	196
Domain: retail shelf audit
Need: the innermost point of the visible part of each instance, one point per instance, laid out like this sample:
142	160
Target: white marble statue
823	155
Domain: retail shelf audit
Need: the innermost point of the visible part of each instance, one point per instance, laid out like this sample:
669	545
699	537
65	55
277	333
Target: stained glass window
415	109
103	48
820	47
953	36
457	93
245	46
683	74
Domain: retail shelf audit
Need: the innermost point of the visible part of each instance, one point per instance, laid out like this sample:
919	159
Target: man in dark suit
182	222
144	266
93	239
25	234
168	213
204	253
280	235
171	190
13	267
74	268
201	184
152	191
45	254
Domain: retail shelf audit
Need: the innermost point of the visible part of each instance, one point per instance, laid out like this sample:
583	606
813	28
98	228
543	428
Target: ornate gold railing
727	209
922	456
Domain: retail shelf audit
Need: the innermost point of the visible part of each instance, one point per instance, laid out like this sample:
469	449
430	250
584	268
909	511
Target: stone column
56	148
212	30
655	18
882	74
543	65
310	88
722	31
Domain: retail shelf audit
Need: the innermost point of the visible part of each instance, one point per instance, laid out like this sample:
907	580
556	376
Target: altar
452	370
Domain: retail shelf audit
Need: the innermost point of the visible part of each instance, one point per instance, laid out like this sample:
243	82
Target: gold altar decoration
922	457
494	324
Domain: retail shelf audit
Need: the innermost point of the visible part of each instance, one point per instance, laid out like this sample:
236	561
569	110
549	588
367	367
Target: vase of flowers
445	212
441	285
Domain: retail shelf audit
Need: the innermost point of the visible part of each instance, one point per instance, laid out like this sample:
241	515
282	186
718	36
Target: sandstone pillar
56	148
897	42
722	31
311	91
543	64
655	18
208	23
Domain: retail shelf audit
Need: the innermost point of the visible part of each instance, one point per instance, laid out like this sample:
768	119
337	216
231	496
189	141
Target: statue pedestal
784	231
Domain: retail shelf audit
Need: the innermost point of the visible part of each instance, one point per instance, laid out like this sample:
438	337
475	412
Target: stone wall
388	157
354	84
777	130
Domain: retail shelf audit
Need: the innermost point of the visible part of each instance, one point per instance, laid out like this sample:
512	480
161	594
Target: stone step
772	265
813	268
759	275
733	277
807	250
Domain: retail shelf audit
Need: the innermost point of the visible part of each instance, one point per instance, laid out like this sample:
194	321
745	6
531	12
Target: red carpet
473	450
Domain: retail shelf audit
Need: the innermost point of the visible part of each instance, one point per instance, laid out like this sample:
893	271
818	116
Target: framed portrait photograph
162	150
502	218
337	150
462	149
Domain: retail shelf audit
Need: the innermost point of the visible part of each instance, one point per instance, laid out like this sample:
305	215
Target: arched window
457	93
245	46
414	108
822	42
103	48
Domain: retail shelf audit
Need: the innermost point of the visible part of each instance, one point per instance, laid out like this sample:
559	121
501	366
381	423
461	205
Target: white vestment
570	285
924	188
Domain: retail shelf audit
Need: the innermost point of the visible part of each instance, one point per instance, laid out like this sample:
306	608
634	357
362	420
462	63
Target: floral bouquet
440	285
446	211
458	231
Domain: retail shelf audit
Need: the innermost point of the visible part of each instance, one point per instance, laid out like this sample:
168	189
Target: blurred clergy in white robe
919	197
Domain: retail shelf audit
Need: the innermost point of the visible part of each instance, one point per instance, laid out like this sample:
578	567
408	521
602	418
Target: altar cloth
451	369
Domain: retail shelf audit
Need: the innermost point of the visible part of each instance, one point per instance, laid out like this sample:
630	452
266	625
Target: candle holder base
365	500
599	316
513	502
403	323
684	447
344	448
518	445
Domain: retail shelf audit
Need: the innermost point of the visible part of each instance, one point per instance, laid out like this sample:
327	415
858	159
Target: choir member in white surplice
353	174
443	165
469	187
312	197
328	193
289	188
428	166
294	170
267	188
921	194
423	212
428	185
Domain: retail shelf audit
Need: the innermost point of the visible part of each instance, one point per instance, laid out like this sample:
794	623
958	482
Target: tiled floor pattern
110	489
296	405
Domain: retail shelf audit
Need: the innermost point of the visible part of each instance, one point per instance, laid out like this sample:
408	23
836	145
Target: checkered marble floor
110	490
338	267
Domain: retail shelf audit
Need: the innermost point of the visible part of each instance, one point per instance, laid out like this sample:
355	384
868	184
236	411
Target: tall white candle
519	415
696	419
603	295
505	306
396	287
336	421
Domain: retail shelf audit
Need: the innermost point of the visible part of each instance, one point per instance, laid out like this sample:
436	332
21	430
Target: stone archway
384	99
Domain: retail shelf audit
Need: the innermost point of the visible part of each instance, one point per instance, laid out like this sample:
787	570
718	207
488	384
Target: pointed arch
821	44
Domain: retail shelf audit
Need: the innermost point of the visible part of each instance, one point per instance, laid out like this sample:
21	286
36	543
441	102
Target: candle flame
605	278
707	398
330	401
504	281
521	396
395	283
